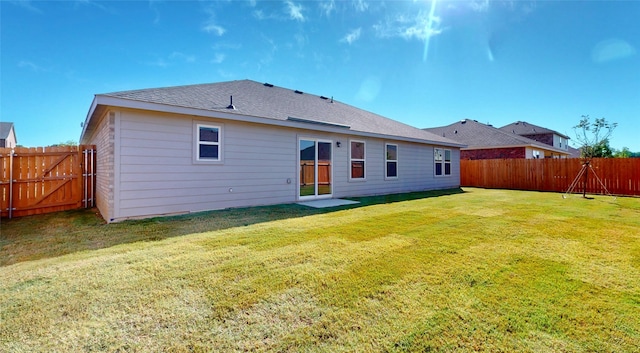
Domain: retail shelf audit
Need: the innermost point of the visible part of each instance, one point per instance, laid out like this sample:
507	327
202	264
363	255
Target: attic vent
268	84
463	121
298	92
231	106
455	132
323	97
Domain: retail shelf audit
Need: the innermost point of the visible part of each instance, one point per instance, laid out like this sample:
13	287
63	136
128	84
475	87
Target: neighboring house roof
264	103
574	152
480	136
5	130
525	128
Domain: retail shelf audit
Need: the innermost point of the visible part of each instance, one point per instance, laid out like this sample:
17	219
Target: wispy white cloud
154	8
301	39
327	7
352	36
421	26
479	5
26	64
28	5
226	45
294	11
92	3
369	89
211	25
612	49
178	56
172	59
214	28
267	56
218	58
159	62
360	5
258	14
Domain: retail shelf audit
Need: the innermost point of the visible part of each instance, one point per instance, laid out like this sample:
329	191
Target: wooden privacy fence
307	172
46	179
620	176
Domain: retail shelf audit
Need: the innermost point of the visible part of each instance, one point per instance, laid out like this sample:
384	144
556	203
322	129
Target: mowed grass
483	270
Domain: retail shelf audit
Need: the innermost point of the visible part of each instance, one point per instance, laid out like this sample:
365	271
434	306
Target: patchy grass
484	270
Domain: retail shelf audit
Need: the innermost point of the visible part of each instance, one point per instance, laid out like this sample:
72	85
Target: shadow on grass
55	234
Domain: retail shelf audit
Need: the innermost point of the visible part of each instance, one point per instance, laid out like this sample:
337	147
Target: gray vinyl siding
157	174
415	171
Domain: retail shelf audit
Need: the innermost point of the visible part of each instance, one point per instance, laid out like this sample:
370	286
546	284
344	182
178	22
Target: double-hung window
442	160
357	159
391	161
208	146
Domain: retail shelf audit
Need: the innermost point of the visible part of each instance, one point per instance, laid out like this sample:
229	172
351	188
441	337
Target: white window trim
397	160
351	160
197	143
443	162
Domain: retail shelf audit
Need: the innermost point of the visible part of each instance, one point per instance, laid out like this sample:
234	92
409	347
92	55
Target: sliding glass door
315	169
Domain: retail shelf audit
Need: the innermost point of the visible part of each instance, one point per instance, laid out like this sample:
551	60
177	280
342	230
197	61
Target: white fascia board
87	119
165	108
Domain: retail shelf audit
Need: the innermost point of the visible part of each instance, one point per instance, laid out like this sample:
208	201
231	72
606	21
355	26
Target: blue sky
423	63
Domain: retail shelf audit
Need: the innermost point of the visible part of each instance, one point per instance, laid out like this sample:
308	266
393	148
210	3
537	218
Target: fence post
85	176
11	183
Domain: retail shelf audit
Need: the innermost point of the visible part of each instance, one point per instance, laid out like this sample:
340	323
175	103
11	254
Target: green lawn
480	270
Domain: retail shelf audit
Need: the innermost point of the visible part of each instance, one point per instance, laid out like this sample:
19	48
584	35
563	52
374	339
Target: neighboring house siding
494	153
547	139
10	141
560	142
103	138
157	174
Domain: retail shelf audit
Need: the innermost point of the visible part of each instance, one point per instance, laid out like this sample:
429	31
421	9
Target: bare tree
594	138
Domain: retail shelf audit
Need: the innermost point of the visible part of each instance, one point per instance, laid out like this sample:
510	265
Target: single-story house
7	135
540	134
183	149
487	142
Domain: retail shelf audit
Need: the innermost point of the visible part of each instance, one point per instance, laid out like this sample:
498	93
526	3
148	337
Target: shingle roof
525	128
256	99
478	135
5	128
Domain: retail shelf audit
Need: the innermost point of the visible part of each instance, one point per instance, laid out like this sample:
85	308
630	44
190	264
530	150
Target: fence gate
46	179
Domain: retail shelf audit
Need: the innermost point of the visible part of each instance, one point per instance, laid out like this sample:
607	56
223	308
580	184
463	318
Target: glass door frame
315	196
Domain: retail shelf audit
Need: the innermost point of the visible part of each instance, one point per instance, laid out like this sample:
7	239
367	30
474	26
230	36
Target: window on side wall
536	154
391	161
442	161
208	146
357	160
